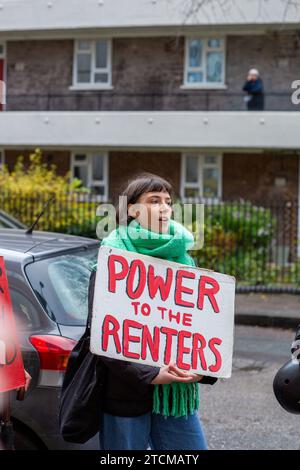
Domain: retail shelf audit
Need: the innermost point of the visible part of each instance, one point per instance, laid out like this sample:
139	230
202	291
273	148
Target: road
242	412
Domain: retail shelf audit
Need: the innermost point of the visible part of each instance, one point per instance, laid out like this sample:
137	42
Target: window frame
201	165
204	84
2	157
3	57
92	85
92	183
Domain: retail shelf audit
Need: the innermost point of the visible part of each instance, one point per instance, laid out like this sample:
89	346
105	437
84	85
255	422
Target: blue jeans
161	433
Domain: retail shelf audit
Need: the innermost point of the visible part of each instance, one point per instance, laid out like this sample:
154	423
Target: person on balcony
255	92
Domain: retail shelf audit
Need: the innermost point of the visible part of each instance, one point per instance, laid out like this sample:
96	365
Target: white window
204	62
92	170
2	76
92	63
201	176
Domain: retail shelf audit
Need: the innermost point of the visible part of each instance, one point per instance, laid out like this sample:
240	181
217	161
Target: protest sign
12	374
151	311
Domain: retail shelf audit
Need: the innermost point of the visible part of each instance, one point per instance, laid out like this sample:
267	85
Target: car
8	221
48	275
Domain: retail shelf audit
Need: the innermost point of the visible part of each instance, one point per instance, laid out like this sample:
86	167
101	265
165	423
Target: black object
6	426
20	394
6	436
81	395
286	386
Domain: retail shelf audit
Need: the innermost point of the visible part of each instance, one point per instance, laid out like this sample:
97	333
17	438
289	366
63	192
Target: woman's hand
197	377
28	379
171	373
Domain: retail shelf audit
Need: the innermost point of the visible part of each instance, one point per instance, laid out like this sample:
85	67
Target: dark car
48	275
8	221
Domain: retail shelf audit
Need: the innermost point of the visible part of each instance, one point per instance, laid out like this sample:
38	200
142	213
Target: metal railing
258	244
191	100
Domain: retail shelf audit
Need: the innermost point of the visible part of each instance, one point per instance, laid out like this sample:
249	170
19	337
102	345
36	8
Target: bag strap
90	303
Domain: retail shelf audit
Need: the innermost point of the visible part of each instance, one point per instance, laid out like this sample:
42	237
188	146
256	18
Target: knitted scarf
178	398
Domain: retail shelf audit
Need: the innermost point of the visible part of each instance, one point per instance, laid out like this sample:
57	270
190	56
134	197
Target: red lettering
199	344
136	265
187	319
162	310
169	332
127	337
180	289
156	283
208	291
110	327
114	276
218	364
135	305
176	316
150	342
181	350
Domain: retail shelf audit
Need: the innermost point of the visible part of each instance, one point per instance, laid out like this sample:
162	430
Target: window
2	77
92	170
204	62
1	157
92	63
25	313
201	176
61	284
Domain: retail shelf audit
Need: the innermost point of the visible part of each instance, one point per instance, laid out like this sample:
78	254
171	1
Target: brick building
106	91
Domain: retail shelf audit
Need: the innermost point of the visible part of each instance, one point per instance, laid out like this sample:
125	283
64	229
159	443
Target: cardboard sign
152	311
12	374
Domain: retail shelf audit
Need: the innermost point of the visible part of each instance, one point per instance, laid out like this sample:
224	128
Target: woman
145	405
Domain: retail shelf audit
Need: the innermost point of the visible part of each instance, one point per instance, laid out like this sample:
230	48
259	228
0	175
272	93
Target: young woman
145	405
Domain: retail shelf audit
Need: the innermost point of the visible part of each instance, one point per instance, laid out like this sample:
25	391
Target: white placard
151	311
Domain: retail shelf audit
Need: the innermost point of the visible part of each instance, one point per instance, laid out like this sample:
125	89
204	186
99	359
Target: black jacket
255	89
128	390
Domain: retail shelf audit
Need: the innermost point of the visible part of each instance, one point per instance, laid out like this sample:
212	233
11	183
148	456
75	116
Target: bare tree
212	9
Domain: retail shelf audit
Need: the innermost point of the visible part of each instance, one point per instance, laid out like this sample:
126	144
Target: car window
25	312
69	277
4	224
61	284
8	221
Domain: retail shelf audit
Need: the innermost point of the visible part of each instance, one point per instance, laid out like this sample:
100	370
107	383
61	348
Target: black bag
80	401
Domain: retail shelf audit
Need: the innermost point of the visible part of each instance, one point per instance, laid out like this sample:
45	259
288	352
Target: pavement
267	309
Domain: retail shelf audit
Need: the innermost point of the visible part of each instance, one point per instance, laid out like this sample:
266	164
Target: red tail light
53	350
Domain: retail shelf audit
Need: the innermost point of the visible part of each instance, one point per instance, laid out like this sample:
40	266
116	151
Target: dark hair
141	183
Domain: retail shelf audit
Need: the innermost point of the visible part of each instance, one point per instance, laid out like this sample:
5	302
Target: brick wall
36	69
252	177
124	165
147	74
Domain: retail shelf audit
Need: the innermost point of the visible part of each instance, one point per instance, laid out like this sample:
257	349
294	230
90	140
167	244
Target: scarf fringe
176	399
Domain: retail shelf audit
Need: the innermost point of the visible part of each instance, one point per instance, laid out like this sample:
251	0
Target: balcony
110	100
151	129
37	18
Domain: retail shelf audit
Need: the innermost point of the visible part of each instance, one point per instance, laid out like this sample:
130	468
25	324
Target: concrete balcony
151	130
64	18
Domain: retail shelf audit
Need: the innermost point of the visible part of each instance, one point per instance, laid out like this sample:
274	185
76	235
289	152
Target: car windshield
61	285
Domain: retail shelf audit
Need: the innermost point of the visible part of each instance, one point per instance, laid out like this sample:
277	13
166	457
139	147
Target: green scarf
178	398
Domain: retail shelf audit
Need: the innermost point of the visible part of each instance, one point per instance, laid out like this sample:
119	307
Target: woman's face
153	211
